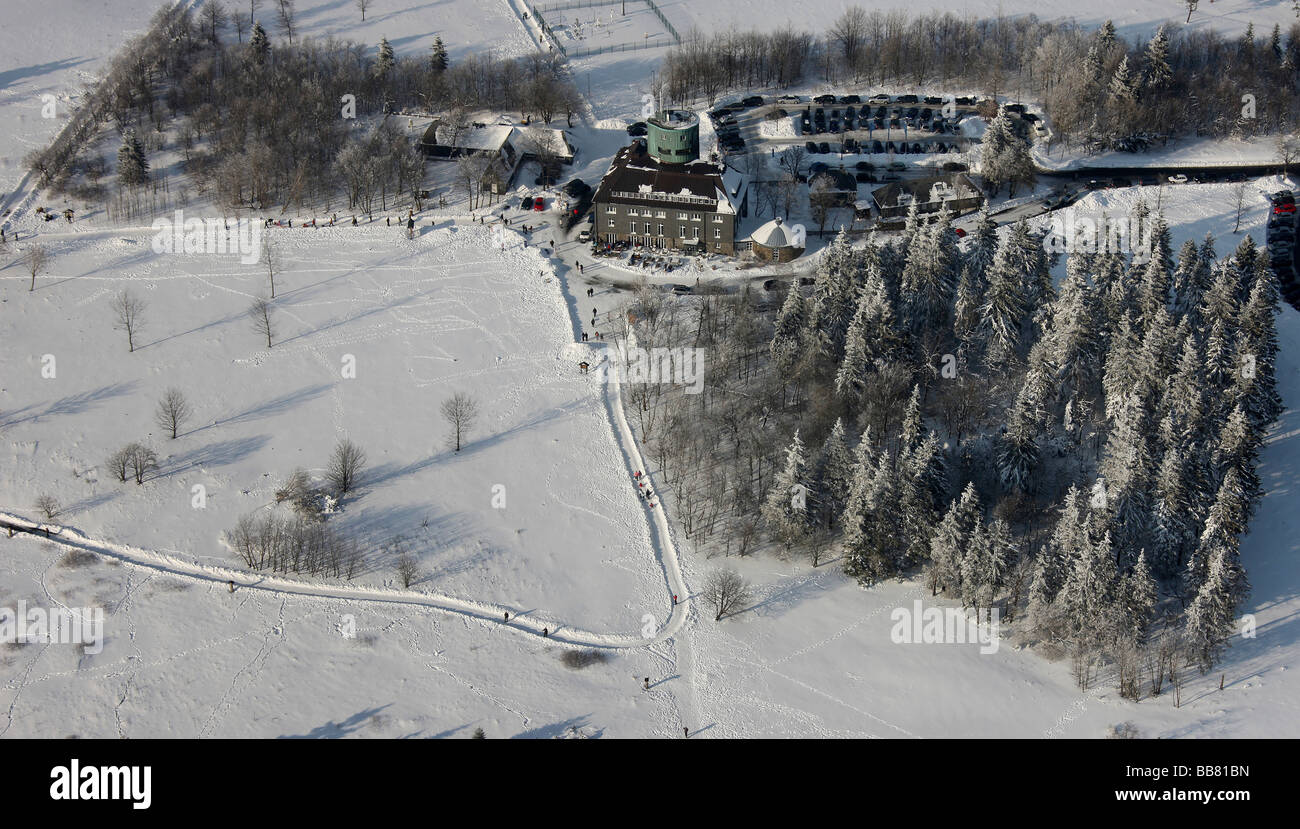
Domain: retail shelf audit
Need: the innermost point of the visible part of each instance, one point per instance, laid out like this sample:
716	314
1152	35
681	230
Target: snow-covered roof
774	234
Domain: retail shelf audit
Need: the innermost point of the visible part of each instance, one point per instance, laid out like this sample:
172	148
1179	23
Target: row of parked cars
1281	235
816	121
852	145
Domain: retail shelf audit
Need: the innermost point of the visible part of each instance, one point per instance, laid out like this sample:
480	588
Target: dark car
881	112
877	147
526	203
810	147
964	101
816	167
1282	197
823	147
1122	182
953	167
753	101
912	112
819	115
890	148
864	178
907	99
932	100
864	165
577	187
1019	109
879	123
1095	184
894	122
851	99
834	125
865	112
824	99
848	121
926	114
916	148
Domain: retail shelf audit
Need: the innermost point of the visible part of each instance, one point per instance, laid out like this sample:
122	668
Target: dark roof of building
837	180
633	170
920	189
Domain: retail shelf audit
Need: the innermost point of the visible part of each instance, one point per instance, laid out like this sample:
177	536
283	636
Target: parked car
1019	109
1284	208
864	165
877	147
810	147
1148	181
824	99
753	101
539	203
769	284
823	147
526	203
584	235
907	99
637	129
878	99
864	178
680	289
851	99
816	167
960	232
897	165
1120	181
964	101
788	99
576	188
953	167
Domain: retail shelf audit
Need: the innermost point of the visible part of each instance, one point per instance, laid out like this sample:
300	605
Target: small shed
776	242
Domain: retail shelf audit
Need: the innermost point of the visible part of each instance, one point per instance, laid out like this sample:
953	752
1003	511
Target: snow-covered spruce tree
834	474
1018	452
994	157
788	331
922	491
1121	372
438	56
1224	524
982	250
259	45
985	563
950	540
1074	335
1055	562
1186	282
785	511
1237	448
870	524
1138	600
384	60
1173	516
834	300
132	165
1211	617
929	278
1086	605
1157	74
912	429
1219	304
1003	317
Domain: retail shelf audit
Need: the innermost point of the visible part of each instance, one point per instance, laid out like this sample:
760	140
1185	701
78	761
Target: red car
960	233
1284	208
539	203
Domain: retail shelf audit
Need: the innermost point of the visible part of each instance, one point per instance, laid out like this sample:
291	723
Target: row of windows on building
661	214
633	227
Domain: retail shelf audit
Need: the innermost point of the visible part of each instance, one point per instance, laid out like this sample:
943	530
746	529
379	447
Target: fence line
630	46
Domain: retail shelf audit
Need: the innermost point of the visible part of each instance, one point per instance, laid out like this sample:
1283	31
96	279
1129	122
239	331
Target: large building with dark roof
661	195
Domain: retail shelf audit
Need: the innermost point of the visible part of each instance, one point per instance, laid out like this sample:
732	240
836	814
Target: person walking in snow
674	600
507	615
232	585
647	683
546	631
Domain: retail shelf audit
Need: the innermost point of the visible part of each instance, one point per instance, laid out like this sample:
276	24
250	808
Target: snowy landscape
313	423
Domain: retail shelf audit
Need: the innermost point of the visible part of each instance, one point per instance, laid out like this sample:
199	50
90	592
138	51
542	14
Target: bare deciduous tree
48	506
143	460
173	410
345	466
120	463
284	10
36	258
407	569
726	592
461	412
363	5
127	311
261	313
271	258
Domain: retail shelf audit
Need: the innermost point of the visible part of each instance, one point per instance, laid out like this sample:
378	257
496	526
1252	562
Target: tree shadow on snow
333	731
